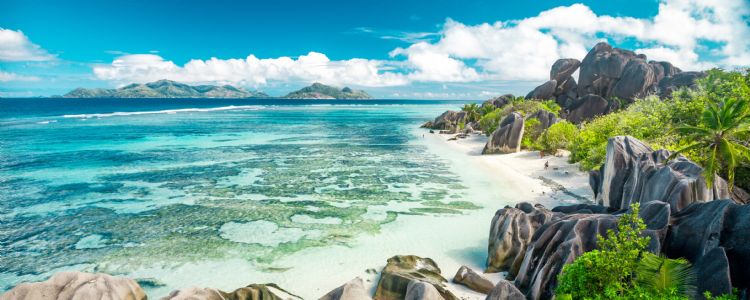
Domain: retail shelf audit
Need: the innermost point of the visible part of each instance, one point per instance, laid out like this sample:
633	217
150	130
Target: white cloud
250	71
517	50
15	46
8	76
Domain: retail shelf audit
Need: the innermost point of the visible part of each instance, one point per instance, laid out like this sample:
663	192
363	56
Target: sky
393	49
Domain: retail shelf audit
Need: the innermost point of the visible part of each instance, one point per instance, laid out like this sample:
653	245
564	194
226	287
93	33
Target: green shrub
532	129
490	120
622	269
558	136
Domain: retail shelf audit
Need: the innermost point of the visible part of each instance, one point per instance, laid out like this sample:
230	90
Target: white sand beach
493	181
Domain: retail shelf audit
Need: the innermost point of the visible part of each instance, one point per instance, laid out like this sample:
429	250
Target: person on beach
546	165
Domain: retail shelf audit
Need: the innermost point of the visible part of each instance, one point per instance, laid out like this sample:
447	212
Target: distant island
172	89
322	91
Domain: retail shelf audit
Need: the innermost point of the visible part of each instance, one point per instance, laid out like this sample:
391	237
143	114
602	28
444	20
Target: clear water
117	185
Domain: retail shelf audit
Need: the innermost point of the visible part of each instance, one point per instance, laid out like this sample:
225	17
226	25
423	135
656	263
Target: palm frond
662	274
685	149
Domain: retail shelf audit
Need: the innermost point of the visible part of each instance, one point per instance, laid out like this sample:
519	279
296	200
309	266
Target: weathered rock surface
678	80
712	271
401	270
637	80
655	214
267	291
633	172
601	68
546	118
449	121
505	290
467	277
701	228
352	290
419	290
498	101
545	91
562	69
555	244
77	285
589	106
511	231
507	137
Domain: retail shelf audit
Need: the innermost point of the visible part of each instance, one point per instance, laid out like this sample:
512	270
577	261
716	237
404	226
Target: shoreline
450	240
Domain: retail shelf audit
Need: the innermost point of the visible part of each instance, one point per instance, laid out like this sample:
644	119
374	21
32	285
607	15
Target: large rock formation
467	277
352	290
448	121
267	291
498	101
511	231
610	73
544	92
419	290
556	244
546	118
587	107
402	270
507	137
77	285
701	228
505	290
633	172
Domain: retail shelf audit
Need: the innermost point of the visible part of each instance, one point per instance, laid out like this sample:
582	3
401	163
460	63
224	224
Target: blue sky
394	49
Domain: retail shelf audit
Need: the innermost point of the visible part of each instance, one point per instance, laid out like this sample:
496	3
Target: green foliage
732	296
558	136
717	140
490	120
532	129
622	269
472	112
663	275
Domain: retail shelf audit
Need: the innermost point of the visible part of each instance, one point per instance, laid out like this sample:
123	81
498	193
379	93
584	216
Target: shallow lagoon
86	189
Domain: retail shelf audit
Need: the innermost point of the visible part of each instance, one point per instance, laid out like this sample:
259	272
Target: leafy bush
490	120
532	129
558	136
622	269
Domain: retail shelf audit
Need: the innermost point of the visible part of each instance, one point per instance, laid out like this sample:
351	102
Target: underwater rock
77	285
401	270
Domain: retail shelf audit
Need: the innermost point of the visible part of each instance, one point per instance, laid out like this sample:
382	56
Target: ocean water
121	185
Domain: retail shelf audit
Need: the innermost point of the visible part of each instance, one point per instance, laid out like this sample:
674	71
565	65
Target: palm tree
717	135
472	112
663	275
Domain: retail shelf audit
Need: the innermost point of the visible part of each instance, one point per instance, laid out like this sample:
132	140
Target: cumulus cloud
251	70
692	34
15	46
8	76
525	49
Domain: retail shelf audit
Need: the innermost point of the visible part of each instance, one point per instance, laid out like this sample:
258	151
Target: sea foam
166	111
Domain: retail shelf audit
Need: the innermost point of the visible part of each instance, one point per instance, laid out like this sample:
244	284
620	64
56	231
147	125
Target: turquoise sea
117	185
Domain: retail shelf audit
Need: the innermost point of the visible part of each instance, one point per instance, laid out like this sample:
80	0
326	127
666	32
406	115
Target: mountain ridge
172	89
